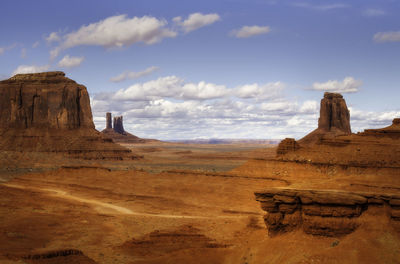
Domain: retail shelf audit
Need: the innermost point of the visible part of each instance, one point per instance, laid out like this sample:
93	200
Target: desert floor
178	204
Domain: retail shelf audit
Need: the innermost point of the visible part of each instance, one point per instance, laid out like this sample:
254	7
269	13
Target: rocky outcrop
322	212
333	143
392	131
118	124
108	121
48	112
334	115
334	119
118	134
287	145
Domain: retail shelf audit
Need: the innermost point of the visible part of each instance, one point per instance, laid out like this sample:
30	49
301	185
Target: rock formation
334	115
334	119
345	163
108	121
118	124
323	212
48	112
287	145
117	133
44	100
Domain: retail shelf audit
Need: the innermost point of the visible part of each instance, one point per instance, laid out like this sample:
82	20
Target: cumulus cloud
53	37
249	31
30	69
116	31
196	21
348	85
171	87
373	12
70	62
127	75
389	36
264	91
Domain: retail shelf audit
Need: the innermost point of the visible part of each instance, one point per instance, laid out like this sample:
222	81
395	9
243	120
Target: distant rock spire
108	121
118	125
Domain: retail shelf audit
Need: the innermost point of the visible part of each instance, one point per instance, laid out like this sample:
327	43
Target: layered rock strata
322	212
48	112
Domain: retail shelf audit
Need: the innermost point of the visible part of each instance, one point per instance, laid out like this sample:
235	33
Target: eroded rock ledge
322	212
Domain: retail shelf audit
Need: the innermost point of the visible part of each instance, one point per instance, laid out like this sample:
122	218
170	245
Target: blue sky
224	69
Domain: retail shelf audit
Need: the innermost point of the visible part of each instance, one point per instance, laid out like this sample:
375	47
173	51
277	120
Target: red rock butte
48	112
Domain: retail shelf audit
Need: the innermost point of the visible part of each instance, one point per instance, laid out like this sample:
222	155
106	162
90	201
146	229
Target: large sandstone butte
334	119
117	132
48	112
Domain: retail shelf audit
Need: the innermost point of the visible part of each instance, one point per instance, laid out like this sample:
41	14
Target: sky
183	69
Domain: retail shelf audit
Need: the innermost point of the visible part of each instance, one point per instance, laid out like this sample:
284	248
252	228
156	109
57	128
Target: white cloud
249	31
348	85
196	21
2	50
309	107
171	87
116	31
326	7
134	75
30	69
255	90
373	12
70	62
53	37
389	36
35	45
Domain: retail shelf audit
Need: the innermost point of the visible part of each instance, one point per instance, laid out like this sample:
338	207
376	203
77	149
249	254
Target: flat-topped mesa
118	124
48	112
53	76
44	100
334	115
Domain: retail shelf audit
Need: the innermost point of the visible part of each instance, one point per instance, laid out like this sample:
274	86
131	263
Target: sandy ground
181	204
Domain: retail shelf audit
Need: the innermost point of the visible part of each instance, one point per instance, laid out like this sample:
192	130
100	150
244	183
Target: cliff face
323	212
44	100
48	112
